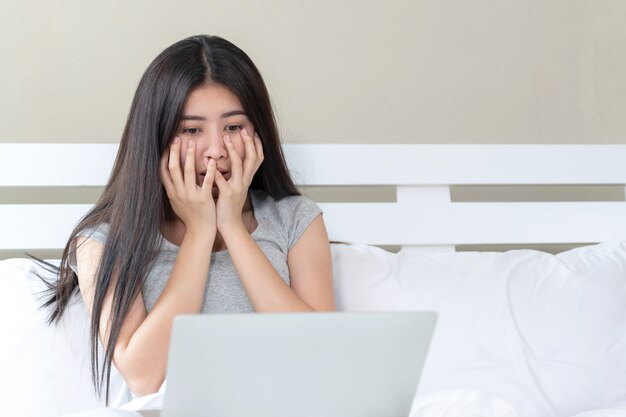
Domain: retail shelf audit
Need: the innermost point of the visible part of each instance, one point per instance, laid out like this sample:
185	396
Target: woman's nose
213	147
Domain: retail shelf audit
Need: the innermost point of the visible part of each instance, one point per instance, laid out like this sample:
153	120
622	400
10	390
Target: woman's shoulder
291	214
293	206
96	232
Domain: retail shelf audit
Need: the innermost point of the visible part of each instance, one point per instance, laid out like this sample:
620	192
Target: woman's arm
310	270
141	349
143	352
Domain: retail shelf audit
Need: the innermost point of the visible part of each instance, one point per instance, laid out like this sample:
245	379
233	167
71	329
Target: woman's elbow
141	380
143	386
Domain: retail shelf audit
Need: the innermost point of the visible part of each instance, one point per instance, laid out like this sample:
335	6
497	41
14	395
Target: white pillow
545	332
607	412
44	370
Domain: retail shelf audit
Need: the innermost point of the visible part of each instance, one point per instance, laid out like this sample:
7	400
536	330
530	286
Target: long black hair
134	203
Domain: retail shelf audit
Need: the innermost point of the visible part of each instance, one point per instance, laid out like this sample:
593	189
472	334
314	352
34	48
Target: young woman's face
212	112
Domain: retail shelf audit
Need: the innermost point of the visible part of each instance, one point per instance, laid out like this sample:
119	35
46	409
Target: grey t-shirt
280	224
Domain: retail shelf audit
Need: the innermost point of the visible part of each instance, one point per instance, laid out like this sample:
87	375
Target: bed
521	332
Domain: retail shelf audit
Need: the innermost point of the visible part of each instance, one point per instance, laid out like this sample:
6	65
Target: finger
190	167
221	182
174	164
249	163
165	174
258	145
235	159
207	184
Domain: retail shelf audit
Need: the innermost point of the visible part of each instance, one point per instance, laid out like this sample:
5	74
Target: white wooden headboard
423	215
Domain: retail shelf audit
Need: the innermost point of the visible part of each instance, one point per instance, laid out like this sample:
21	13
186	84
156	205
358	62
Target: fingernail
190	144
226	139
176	139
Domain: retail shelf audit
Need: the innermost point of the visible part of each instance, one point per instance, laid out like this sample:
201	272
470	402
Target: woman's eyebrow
192	117
233	113
224	116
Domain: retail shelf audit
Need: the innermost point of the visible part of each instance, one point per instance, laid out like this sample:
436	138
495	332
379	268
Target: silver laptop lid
296	364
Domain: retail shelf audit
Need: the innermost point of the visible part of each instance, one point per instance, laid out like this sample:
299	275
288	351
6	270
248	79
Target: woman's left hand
234	191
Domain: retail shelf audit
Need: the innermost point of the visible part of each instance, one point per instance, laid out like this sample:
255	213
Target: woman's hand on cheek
193	204
233	193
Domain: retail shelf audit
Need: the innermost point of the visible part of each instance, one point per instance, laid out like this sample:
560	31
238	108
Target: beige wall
430	71
427	71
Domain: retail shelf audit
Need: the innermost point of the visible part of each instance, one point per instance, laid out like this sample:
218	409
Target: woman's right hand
193	204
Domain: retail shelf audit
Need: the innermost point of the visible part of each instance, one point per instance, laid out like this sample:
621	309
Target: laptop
296	364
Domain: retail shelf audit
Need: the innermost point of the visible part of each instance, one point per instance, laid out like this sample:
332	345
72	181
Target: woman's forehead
212	101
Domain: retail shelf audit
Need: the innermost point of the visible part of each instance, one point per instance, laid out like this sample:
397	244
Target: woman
199	216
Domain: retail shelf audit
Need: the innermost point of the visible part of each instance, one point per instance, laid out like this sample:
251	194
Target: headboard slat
58	164
316	164
47	226
475	223
38	226
457	164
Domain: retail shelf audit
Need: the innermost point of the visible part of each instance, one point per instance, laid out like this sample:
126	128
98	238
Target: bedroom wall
429	71
352	71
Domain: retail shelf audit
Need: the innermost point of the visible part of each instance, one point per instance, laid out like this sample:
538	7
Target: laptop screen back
296	364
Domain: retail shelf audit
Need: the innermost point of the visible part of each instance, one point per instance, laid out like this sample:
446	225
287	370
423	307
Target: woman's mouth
224	173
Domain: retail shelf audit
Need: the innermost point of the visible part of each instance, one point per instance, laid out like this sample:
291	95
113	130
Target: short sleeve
302	212
98	233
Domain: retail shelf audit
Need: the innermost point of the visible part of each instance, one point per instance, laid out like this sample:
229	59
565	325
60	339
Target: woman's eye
191	130
233	128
